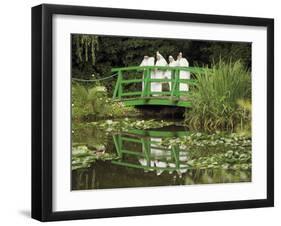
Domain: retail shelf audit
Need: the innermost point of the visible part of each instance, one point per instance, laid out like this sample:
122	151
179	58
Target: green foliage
84	47
235	160
80	104
117	51
83	157
216	95
215	151
97	96
234	51
245	125
124	125
93	102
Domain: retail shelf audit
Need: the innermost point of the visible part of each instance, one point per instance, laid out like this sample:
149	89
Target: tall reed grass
217	95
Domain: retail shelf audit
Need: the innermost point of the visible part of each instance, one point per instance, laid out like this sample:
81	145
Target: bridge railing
174	91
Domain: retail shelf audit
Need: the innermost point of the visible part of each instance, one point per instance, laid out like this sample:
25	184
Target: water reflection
145	151
144	161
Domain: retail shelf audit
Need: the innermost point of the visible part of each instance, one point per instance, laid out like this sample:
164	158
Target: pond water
140	153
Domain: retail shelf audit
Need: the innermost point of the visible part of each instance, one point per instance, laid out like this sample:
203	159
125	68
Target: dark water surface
141	160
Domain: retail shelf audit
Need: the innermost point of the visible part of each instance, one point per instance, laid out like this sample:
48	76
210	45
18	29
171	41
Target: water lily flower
100	89
109	122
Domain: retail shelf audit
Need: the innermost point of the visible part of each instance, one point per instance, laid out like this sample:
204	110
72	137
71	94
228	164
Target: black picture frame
42	107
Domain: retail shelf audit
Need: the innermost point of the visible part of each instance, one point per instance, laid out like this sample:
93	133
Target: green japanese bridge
140	79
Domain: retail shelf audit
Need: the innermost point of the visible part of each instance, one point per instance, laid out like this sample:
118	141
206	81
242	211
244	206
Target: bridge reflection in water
143	161
146	148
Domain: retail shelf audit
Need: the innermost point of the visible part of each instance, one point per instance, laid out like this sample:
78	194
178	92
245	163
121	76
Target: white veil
168	73
182	62
158	74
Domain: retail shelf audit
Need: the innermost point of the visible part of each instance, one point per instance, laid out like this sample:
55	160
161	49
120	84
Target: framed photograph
146	112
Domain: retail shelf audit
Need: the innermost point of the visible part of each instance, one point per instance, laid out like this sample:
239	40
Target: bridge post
148	87
175	152
177	83
145	83
146	150
175	87
146	80
116	89
118	145
120	90
173	77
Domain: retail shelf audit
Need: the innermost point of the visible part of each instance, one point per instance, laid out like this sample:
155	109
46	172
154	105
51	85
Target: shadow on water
157	111
142	160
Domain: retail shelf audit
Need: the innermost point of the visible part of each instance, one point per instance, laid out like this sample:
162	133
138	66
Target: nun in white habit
144	61
182	62
158	74
147	61
168	73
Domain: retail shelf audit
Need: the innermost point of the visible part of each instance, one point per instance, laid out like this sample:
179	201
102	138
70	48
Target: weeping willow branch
85	47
